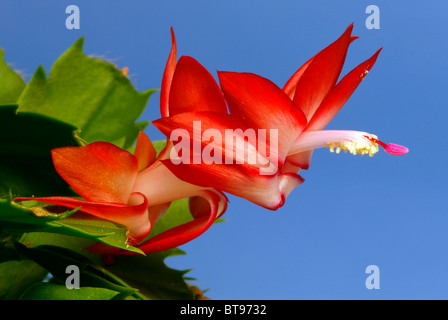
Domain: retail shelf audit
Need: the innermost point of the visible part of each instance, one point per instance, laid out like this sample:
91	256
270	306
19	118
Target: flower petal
188	231
241	180
263	105
168	77
99	172
236	167
160	186
288	182
194	89
290	86
321	74
337	97
224	133
301	159
144	151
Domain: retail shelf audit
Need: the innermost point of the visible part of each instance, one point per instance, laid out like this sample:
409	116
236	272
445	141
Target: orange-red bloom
295	115
135	190
132	190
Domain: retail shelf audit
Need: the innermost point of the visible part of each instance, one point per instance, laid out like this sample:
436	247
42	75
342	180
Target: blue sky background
352	211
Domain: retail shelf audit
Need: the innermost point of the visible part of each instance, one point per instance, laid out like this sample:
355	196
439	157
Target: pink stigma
396	149
391	148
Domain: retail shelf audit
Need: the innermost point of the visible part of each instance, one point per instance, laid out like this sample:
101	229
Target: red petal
160	186
186	232
301	160
194	89
168	77
291	84
195	126
288	182
134	217
340	94
99	172
241	180
321	74
261	104
144	151
229	171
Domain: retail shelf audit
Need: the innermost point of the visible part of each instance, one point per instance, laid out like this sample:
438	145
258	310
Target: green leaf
15	219
154	279
57	259
11	84
52	291
75	244
26	141
90	94
14	216
84	225
16	276
161	282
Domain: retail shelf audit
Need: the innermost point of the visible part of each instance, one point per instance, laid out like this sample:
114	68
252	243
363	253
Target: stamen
356	142
391	148
362	146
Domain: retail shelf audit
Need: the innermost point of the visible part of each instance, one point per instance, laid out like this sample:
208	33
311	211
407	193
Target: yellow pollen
362	146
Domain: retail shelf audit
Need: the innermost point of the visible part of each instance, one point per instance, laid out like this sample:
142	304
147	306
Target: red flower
288	124
133	190
254	151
